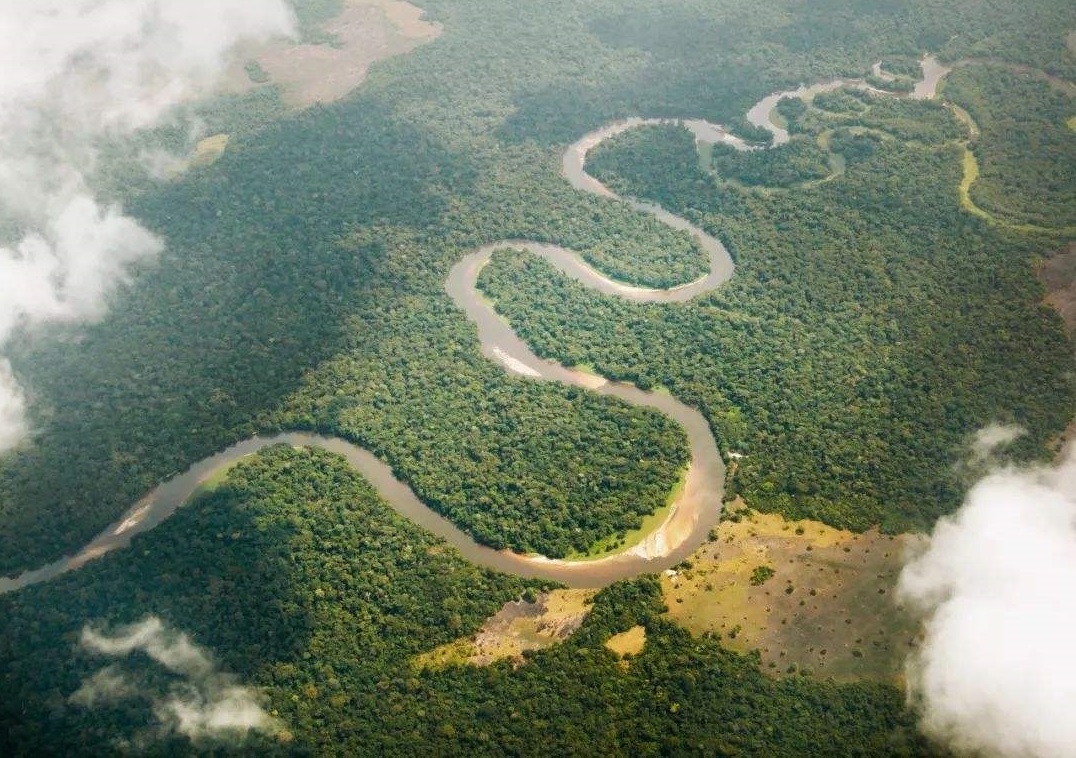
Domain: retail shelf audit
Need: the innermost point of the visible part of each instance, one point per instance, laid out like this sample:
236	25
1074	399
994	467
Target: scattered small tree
761	574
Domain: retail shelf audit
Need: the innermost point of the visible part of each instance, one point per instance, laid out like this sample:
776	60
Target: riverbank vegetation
1025	151
315	595
828	342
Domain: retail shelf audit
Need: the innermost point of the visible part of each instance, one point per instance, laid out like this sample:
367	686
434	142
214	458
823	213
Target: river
698	506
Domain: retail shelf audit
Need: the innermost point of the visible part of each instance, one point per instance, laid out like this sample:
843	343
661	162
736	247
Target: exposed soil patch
367	31
1058	275
517	627
807	596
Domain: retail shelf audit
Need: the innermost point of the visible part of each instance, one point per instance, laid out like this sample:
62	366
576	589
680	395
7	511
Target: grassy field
827	608
627	643
209	150
517	627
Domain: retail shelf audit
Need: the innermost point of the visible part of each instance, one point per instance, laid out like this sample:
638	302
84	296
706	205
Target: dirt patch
366	31
1058	275
517	627
627	643
821	599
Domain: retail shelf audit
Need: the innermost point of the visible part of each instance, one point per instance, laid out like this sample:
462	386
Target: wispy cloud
204	704
990	439
996	672
72	74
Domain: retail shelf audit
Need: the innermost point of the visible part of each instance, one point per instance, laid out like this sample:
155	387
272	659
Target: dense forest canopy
872	326
261	283
308	588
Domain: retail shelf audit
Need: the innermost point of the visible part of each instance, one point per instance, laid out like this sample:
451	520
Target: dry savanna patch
517	627
205	153
627	643
807	596
365	32
209	150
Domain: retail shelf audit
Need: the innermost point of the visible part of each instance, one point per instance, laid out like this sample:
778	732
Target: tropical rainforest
873	324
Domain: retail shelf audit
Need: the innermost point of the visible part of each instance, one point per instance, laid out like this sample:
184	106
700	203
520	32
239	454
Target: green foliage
840	101
1026	151
791	110
825	359
909	120
762	574
853	145
905	66
900	84
795	162
316	595
256	73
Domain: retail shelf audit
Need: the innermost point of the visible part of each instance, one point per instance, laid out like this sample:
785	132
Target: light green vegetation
214	481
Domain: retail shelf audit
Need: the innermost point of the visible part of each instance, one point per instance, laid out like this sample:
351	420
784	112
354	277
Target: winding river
690	517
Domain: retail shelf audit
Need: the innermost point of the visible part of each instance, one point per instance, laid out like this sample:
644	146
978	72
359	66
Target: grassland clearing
828	606
627	643
519	626
365	32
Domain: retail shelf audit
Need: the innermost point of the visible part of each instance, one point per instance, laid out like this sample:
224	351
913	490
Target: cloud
106	686
204	704
73	74
989	439
996	672
174	651
12	408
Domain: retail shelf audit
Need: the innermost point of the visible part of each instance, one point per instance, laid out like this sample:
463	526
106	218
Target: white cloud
12	408
72	74
205	704
996	672
106	686
173	651
989	439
